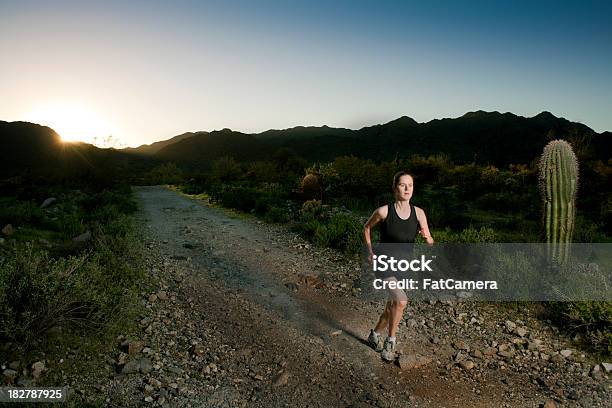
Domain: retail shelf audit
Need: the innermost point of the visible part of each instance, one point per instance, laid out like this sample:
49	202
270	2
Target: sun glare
73	123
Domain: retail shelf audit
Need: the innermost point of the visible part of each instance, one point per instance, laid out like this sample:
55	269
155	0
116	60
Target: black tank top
396	230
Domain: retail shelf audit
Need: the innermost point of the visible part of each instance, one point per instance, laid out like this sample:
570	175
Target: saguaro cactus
558	177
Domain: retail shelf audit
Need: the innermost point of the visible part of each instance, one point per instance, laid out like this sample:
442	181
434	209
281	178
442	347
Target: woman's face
404	188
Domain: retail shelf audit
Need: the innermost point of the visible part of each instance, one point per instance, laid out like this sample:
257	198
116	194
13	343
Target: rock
467	364
489	351
410	361
152	298
521	331
557	358
336	333
281	379
131	367
566	353
460	345
198	350
435	340
148	389
8	229
510	325
48	202
550	404
38	368
9	376
476	354
534	344
292	286
148	398
607	367
162	295
505	354
84	237
155	382
135	347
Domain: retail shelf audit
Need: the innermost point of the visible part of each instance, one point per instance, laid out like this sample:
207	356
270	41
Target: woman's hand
371	257
428	238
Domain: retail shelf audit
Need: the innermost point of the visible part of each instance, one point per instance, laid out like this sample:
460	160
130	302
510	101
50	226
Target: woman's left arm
424	228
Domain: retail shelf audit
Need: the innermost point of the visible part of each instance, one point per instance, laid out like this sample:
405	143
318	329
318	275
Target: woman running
400	222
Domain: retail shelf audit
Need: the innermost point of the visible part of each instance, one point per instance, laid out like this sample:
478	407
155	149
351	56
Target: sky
143	71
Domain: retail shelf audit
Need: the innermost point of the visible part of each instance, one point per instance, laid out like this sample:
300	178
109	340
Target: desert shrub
312	209
226	169
276	214
341	231
262	172
591	319
38	292
166	173
477	236
18	212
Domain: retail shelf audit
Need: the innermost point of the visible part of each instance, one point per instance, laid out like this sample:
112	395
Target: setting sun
72	122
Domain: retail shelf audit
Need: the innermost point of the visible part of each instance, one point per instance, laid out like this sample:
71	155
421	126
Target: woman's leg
396	311
395	308
383	321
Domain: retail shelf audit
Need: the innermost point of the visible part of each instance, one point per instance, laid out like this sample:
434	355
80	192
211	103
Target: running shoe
388	352
375	341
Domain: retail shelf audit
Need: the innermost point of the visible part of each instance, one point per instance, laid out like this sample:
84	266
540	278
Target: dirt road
249	314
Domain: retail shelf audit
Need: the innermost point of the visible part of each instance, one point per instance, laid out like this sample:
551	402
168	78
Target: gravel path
249	314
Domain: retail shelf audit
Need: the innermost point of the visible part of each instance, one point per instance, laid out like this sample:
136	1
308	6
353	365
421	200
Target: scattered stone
38	368
281	379
550	404
476	354
198	350
607	367
410	361
8	229
521	331
489	351
152	298
510	325
131	367
48	202
9	376
142	365
336	333
135	347
460	345
504	353
292	286
84	237
566	353
162	295
435	340
467	364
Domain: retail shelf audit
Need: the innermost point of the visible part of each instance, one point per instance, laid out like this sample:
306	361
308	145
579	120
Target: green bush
591	319
38	292
16	212
341	231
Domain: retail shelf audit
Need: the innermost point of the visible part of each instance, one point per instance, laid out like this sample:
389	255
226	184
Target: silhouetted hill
482	137
27	145
29	149
153	148
201	149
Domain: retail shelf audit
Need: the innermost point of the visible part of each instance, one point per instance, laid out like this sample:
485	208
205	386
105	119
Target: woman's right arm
377	216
